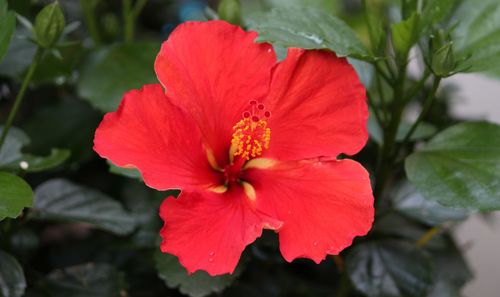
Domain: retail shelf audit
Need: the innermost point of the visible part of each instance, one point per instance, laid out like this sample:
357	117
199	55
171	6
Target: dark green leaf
389	269
62	120
451	270
59	199
198	284
7	23
460	167
32	163
11	150
88	280
405	34
12	281
49	25
477	35
411	203
15	194
307	28
110	72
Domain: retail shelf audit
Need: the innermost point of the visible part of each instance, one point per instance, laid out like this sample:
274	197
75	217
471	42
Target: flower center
251	134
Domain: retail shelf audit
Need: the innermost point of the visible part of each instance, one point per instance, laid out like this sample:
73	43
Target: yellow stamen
250	138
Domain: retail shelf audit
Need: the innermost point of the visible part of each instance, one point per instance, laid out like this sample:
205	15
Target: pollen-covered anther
250	137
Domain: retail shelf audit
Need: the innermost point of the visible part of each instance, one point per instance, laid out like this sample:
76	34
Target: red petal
319	107
323	205
212	70
210	231
151	134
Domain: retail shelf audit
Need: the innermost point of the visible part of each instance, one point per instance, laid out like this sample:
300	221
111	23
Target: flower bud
443	60
49	25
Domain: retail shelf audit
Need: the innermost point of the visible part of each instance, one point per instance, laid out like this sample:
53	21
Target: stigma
251	135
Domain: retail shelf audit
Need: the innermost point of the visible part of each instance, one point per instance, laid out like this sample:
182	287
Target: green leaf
460	167
49	25
61	200
128	172
405	34
32	163
435	11
8	24
12	281
111	71
19	54
307	28
389	268
411	203
477	35
15	194
96	280
198	284
11	150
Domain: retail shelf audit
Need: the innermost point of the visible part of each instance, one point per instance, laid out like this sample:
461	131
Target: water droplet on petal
315	243
210	260
211	254
289	212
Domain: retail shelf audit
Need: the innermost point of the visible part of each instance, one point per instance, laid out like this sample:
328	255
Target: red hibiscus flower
252	144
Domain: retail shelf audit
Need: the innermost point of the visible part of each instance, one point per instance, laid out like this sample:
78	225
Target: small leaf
11	150
96	280
8	24
198	284
49	25
307	28
460	167
411	203
389	268
109	72
12	281
15	194
128	172
405	34
61	200
32	163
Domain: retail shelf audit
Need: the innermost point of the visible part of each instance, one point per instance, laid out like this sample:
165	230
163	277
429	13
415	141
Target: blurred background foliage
93	227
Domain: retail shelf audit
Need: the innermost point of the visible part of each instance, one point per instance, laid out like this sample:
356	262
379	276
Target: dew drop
211	254
315	243
24	165
289	212
210	260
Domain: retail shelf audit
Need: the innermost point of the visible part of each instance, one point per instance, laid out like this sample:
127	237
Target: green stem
20	95
128	20
88	9
375	110
130	14
397	107
425	109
